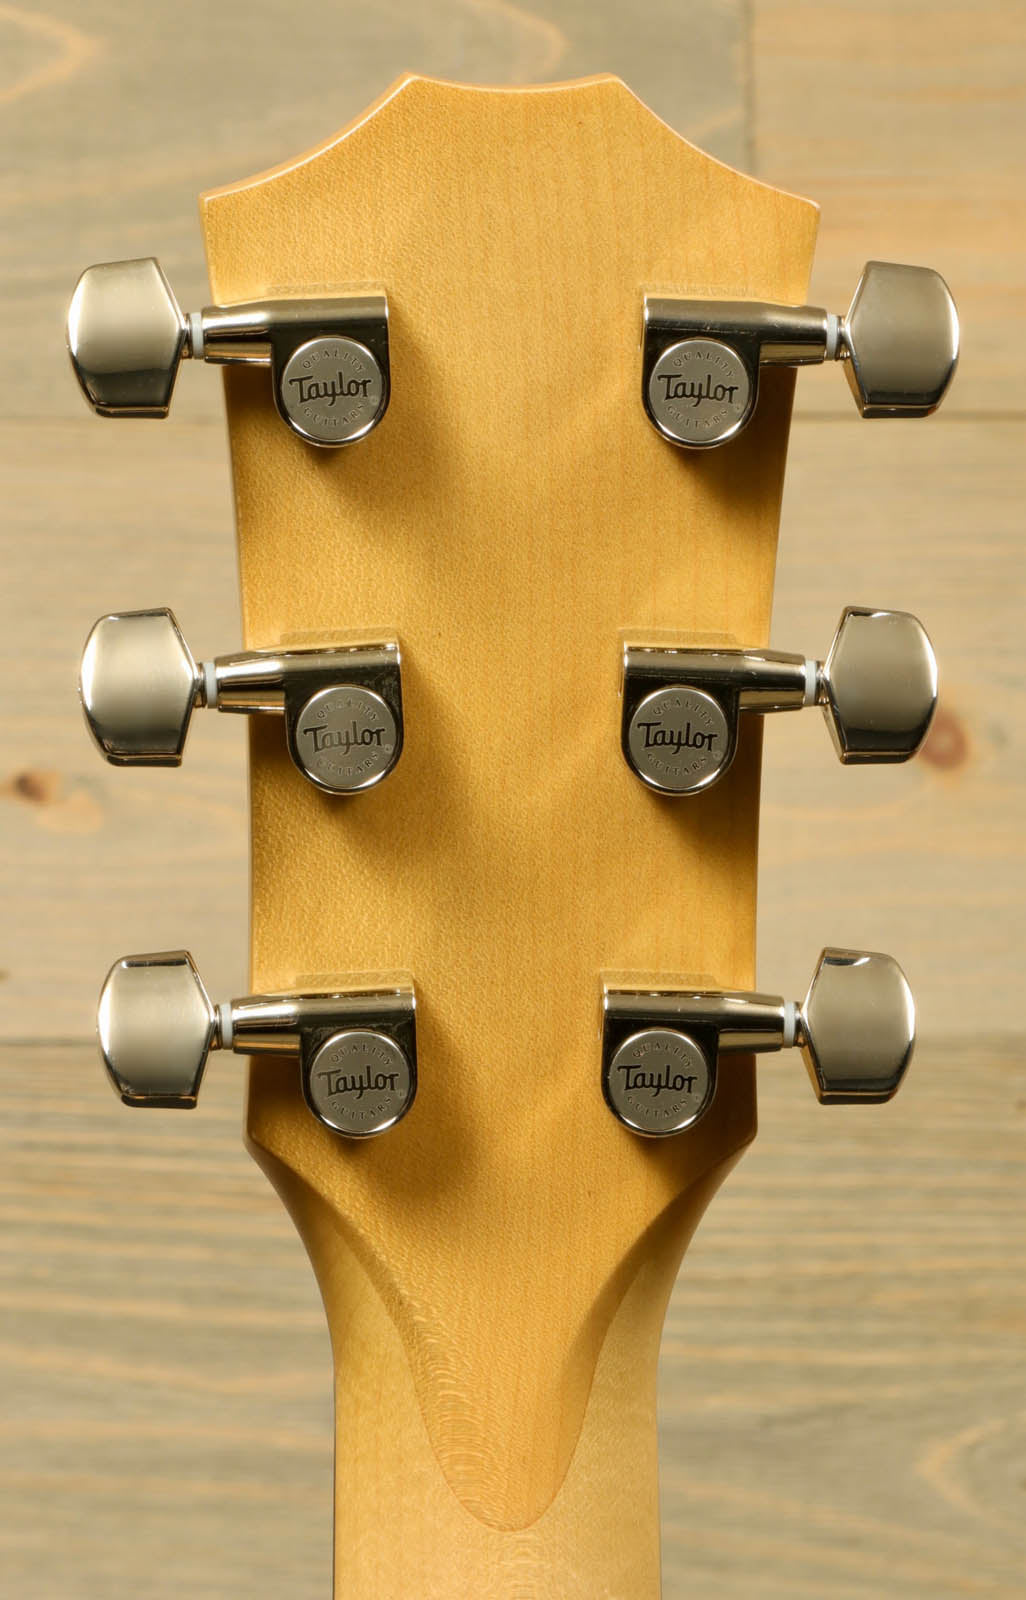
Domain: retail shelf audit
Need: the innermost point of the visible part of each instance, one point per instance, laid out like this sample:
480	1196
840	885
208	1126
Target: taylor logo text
635	1078
330	389
696	392
658	736
358	1083
344	739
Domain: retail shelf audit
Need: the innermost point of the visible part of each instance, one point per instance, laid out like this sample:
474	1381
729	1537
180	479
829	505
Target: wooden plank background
843	1402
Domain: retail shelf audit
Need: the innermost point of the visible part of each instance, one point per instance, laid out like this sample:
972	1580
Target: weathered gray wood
841	1377
118	117
842	1370
103	518
166	1419
927	860
842	1394
906	122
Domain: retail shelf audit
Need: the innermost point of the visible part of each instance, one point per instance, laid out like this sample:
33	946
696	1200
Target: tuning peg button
899	341
156	1027
878	686
127	337
356	1043
662	1045
139	684
681	705
702	358
856	1027
342	705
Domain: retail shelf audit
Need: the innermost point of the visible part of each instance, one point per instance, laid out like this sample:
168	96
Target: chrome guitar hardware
679	725
328	356
342	705
661	1044
898	344
356	1043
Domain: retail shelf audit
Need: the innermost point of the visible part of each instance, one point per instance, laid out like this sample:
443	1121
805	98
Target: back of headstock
509	1248
495	1268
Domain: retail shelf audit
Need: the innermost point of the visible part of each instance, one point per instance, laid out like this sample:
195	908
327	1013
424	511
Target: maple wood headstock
495	1269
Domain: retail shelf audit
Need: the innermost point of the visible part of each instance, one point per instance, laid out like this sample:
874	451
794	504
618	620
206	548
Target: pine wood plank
100	519
118	117
841	1376
907	122
936	1442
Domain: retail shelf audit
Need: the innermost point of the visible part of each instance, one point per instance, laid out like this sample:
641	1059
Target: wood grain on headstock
495	1270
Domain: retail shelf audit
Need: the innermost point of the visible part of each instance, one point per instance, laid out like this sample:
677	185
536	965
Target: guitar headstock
495	1268
511	516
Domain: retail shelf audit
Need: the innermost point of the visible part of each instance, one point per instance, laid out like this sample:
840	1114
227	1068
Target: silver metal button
658	1082
347	738
678	739
699	390
332	390
360	1083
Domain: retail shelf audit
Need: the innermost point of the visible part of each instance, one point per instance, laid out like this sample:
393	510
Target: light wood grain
512	858
106	160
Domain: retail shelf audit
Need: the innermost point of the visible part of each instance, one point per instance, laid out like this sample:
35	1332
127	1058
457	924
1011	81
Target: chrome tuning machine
679	725
898	345
661	1044
356	1043
127	337
342	705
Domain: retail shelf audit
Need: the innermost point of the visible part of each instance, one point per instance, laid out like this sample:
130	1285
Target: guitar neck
541	1483
495	1271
